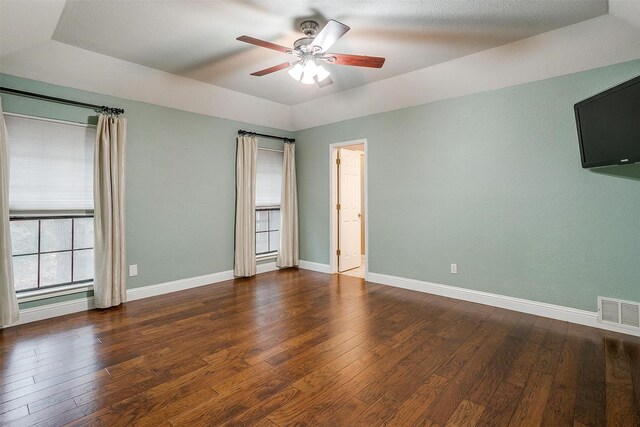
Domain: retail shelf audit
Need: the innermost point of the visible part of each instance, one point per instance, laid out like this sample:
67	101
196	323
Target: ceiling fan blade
263	43
324	83
357	60
271	69
330	34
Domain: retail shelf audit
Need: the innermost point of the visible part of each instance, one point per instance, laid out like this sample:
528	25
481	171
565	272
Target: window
50	201
268	189
51	251
267	230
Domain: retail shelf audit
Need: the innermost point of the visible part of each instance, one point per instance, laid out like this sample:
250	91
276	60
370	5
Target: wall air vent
630	314
619	312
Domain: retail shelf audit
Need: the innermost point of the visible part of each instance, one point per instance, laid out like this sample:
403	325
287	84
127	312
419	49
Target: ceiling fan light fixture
307	78
310	66
296	72
321	73
308	72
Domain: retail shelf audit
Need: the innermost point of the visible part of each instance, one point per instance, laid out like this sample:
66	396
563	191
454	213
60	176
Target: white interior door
349	213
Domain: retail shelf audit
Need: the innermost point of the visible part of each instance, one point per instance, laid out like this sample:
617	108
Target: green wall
490	181
180	180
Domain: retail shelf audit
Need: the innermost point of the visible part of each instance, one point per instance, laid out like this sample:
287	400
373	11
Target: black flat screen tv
609	126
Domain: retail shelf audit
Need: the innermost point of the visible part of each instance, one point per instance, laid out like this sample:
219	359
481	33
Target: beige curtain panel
245	250
8	300
110	283
288	252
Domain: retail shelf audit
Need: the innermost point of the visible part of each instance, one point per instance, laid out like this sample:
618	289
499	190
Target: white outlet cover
454	268
133	270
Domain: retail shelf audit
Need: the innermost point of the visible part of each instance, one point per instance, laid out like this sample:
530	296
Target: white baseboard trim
142	292
567	314
48	311
314	266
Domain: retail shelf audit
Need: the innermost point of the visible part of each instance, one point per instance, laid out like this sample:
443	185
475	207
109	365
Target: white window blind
268	178
50	164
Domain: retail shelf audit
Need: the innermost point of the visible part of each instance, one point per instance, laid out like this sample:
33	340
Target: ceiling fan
311	52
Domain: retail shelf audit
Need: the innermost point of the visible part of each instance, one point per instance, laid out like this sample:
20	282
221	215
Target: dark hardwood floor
302	348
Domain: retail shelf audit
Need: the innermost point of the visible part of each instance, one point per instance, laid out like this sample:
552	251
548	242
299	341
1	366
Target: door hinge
338	252
337	161
338	206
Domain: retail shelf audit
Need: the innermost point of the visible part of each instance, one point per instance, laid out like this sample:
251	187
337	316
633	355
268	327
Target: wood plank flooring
296	347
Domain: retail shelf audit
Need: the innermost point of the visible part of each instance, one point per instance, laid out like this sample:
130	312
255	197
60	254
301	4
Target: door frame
333	200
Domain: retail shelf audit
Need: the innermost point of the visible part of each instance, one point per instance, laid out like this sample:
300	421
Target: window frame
51	292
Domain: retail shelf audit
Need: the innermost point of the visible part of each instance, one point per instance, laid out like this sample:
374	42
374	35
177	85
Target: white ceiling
196	39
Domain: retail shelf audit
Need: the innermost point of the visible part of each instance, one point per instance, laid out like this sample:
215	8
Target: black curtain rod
100	108
284	139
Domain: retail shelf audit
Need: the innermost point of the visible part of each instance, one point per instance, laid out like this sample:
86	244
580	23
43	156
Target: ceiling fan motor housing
303	45
309	28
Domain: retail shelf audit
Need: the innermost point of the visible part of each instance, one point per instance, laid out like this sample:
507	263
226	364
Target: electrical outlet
454	268
133	270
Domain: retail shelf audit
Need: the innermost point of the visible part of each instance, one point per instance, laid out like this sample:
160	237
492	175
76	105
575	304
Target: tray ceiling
197	39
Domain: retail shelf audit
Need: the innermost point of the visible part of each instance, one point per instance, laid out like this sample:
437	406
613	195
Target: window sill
53	292
262	257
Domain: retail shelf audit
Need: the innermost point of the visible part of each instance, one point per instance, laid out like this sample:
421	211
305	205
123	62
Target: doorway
349	225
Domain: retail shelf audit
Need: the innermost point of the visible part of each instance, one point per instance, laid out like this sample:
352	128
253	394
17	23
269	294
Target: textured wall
180	199
492	182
